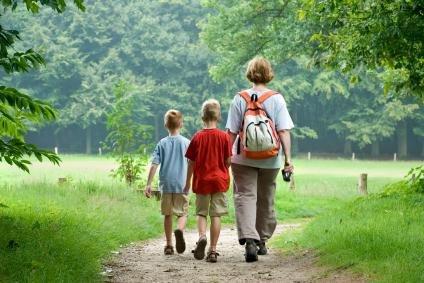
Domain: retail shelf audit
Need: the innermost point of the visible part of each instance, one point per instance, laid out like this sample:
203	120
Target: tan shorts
174	204
213	205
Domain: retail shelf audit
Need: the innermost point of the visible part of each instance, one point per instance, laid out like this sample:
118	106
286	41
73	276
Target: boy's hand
186	189
148	191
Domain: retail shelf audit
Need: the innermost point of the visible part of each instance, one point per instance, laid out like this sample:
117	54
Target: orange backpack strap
245	95
266	95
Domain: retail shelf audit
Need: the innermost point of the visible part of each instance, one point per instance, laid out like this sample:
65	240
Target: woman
255	179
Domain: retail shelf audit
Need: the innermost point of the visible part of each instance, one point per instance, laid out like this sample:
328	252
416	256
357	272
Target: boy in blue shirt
169	154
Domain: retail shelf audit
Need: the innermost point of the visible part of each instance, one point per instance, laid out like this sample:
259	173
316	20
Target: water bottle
286	174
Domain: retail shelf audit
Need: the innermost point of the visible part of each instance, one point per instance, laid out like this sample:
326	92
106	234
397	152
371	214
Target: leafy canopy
18	110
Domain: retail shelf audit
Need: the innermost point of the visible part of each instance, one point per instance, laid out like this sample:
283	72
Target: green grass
64	232
382	236
52	232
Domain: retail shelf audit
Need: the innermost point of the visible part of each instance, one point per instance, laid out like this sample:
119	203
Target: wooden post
100	151
309	155
353	156
394	156
362	184
56	150
292	184
144	151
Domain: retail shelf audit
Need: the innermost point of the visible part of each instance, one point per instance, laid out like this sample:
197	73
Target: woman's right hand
288	167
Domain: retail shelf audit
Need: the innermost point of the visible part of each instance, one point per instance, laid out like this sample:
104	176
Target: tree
17	109
162	52
387	34
370	117
418	129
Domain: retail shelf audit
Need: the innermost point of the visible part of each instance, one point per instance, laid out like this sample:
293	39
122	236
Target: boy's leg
180	209
202	207
245	198
265	213
201	225
166	209
181	222
181	202
215	231
218	208
167	224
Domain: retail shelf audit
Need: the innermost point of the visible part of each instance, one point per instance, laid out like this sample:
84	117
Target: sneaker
251	251
262	250
179	241
199	251
168	250
212	256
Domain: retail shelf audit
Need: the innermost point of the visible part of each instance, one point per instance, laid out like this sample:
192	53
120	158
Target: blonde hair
259	71
211	110
173	119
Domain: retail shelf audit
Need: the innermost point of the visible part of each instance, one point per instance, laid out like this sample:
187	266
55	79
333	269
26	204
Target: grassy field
52	232
381	235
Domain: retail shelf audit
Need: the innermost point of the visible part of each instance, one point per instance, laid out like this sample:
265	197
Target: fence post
353	156
395	156
362	184
56	150
309	155
100	151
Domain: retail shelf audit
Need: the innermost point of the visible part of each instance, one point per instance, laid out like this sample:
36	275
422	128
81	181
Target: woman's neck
259	87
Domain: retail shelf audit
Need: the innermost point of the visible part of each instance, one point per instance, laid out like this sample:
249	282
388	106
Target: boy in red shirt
209	155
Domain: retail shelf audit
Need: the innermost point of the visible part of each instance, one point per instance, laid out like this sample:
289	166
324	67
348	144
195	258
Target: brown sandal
199	251
168	250
212	256
179	241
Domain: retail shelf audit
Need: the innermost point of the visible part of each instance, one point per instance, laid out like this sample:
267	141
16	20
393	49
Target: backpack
258	136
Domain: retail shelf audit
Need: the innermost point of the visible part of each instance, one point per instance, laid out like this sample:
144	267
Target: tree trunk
294	140
88	136
402	139
294	145
157	133
422	151
375	149
347	147
56	138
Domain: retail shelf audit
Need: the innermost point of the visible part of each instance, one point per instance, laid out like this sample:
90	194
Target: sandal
199	251
179	241
168	250
212	256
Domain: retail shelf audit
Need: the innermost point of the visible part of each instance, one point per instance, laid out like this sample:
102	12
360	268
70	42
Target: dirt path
145	262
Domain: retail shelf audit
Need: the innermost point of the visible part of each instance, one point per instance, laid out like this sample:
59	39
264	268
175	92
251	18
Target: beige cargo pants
254	192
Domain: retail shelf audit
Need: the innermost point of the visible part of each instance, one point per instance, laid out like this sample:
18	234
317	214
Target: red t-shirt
209	149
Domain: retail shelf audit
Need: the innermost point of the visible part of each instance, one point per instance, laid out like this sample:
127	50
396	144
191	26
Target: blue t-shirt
169	154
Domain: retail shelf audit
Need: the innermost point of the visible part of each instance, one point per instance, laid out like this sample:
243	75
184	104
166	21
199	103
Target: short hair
211	110
259	71
173	119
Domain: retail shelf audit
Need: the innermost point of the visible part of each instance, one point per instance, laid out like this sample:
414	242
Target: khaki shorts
213	205
174	204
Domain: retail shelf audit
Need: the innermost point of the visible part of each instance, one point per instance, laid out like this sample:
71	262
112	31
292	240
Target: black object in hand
286	174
